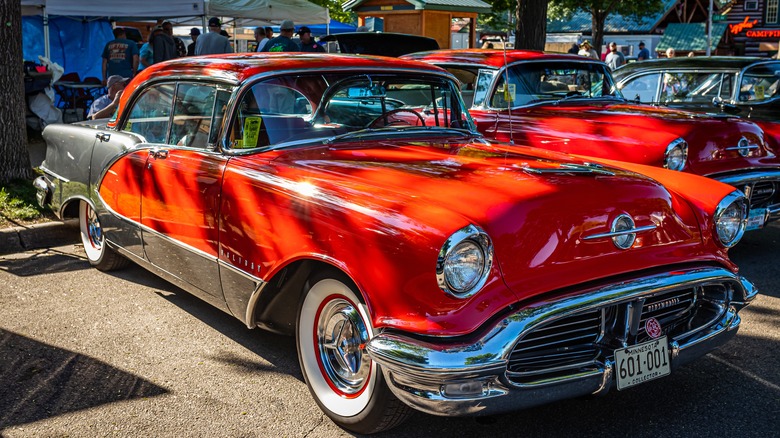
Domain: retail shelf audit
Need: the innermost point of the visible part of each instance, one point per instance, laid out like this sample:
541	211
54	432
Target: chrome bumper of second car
481	376
762	187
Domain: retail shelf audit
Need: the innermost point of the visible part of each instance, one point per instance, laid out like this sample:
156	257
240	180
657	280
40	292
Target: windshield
310	107
759	82
546	82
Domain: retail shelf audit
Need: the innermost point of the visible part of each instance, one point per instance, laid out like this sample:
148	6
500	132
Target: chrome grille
672	309
761	192
566	344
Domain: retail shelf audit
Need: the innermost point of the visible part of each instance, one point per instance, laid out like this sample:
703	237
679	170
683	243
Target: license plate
756	219
640	363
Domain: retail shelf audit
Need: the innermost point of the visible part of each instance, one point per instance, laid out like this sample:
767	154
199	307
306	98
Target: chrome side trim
418	369
249	319
621	233
54	174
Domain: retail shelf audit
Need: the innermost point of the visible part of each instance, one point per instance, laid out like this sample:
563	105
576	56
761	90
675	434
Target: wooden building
753	26
430	18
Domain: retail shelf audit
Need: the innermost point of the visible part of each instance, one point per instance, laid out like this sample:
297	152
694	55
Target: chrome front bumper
472	377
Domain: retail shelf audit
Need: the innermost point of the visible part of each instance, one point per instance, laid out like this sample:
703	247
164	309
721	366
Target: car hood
639	133
382	44
544	211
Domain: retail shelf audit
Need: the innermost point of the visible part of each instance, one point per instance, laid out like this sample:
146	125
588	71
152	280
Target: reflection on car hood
538	206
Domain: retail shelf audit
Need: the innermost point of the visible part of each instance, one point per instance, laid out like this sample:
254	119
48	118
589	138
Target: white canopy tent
245	12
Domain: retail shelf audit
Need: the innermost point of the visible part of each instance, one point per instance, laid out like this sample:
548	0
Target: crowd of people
123	59
613	57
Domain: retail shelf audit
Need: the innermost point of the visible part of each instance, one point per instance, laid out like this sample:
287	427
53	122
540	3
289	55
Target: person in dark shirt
120	56
163	46
284	42
194	34
181	49
644	54
307	42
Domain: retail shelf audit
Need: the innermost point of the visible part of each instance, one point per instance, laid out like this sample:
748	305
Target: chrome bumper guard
748	180
43	191
472	378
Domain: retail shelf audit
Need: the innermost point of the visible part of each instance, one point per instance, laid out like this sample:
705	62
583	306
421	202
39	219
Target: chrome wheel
340	340
99	254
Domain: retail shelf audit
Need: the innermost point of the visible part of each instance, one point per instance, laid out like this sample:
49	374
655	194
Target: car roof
238	67
488	57
718	62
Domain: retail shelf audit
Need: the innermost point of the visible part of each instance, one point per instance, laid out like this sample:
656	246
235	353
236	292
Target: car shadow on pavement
39	262
40	381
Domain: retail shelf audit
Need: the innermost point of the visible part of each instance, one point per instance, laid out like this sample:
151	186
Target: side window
675	86
703	87
642	88
192	115
481	87
760	83
150	114
727	89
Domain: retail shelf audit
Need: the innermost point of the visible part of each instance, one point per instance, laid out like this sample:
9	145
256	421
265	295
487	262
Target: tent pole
327	23
46	43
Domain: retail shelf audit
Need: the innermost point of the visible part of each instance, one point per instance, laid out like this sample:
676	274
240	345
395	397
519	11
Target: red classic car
570	104
350	202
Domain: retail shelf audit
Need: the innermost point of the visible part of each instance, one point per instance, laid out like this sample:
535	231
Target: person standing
260	38
120	56
181	49
587	50
194	34
574	49
212	42
644	54
269	32
614	58
670	52
163	46
307	42
284	42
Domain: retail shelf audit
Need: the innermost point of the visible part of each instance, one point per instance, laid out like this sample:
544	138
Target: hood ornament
623	232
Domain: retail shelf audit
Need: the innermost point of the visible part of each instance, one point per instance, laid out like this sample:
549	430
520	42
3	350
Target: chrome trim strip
621	233
740	179
250	307
54	174
417	369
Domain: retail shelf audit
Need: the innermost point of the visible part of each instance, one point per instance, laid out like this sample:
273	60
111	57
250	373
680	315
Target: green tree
336	10
14	158
599	10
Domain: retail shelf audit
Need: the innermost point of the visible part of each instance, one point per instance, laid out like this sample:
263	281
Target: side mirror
724	106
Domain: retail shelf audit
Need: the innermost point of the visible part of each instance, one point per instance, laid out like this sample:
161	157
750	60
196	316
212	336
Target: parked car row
420	264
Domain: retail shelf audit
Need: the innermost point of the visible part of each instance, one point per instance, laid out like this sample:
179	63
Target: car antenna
507	96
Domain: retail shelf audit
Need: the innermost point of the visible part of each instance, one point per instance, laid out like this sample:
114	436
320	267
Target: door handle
160	154
102	136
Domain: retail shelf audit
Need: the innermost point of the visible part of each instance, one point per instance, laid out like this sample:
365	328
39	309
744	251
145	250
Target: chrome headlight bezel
734	203
471	238
676	155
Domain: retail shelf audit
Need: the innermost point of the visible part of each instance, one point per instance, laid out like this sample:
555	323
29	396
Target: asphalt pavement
87	353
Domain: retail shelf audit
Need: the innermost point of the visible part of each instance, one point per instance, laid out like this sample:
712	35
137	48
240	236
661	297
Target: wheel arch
276	307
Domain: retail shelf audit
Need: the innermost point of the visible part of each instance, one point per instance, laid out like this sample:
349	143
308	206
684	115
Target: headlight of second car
731	218
676	155
464	262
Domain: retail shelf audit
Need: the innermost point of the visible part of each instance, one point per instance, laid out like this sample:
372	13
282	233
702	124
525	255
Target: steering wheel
383	119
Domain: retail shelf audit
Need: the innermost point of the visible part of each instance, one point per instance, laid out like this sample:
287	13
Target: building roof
690	37
580	22
438	5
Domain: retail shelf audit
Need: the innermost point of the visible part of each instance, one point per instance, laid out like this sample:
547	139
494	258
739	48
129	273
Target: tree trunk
14	157
597	22
531	31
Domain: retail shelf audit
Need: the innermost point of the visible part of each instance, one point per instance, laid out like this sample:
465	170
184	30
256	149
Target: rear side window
150	114
760	83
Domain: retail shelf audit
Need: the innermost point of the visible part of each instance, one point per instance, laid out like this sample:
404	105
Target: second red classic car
350	202
570	103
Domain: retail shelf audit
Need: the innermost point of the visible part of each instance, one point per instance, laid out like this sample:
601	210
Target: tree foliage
336	10
599	10
14	158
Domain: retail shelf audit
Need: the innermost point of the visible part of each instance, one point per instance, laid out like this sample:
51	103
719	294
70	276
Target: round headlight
731	219
676	155
464	262
463	266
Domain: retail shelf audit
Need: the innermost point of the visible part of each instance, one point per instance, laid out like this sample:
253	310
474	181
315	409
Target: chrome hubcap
341	339
93	229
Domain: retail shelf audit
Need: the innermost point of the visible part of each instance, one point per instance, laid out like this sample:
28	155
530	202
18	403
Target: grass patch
18	205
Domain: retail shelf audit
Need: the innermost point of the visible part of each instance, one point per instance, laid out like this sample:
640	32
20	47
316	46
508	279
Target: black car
738	85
